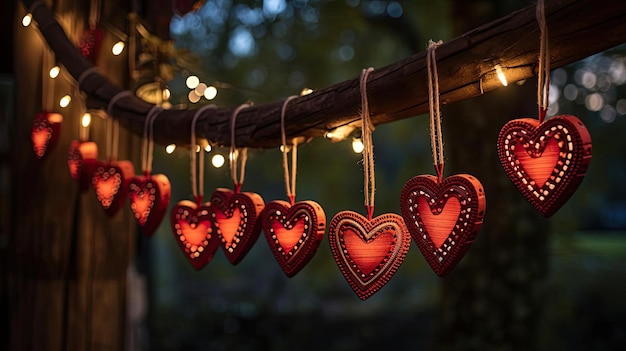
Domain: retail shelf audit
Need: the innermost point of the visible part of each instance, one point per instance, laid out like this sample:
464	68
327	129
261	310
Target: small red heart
45	132
90	42
546	161
443	219
82	160
235	221
192	226
293	232
111	181
149	198
368	252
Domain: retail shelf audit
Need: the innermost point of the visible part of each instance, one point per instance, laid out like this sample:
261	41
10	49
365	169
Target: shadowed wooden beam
577	29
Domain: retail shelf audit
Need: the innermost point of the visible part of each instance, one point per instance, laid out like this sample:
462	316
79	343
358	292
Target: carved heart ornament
293	232
45	132
111	181
82	159
90	43
444	218
149	197
235	221
368	252
546	161
193	229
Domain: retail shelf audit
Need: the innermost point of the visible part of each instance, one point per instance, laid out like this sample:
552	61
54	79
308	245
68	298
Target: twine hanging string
113	126
367	127
94	13
197	188
543	76
436	135
234	153
147	149
48	82
290	185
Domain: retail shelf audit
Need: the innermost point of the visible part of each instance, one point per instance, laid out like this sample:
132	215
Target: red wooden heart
111	181
45	132
235	221
90	43
149	198
368	252
82	160
546	161
443	219
293	232
192	225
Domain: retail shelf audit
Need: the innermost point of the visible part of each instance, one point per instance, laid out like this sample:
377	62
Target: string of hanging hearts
545	158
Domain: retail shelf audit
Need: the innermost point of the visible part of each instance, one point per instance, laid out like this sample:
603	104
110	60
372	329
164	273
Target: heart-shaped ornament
82	160
293	232
149	197
368	252
45	132
111	181
235	221
443	218
192	225
89	43
546	161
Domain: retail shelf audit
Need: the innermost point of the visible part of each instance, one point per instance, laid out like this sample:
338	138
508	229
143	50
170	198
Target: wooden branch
577	29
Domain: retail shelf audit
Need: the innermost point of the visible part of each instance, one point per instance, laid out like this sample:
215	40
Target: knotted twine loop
367	127
290	185
234	153
436	135
543	76
197	189
147	150
113	126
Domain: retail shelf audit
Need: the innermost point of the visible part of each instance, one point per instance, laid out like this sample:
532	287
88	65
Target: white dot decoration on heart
368	250
443	215
293	230
546	159
192	221
235	213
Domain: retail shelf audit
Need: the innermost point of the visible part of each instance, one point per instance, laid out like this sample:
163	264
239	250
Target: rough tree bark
68	260
466	69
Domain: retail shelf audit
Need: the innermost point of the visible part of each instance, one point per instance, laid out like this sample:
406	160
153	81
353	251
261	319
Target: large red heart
444	218
368	252
111	181
45	132
149	198
546	161
192	226
235	221
293	232
82	160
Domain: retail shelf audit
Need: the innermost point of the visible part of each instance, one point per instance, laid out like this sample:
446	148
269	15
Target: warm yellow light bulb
210	92
27	19
357	145
218	161
65	101
85	121
192	82
306	91
501	75
170	148
207	148
118	48
166	94
54	72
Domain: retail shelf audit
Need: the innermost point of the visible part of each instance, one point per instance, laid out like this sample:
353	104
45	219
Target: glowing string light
54	72
218	161
501	75
118	48
27	19
65	101
170	148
